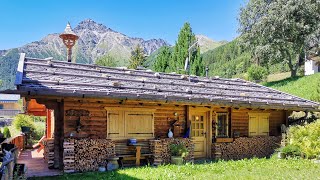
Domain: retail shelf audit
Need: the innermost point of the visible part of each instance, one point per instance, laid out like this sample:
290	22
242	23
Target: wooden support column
58	134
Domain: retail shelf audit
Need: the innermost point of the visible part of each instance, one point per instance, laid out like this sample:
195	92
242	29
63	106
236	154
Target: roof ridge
136	70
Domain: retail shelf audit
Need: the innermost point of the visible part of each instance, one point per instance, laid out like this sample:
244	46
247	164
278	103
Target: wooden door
199	133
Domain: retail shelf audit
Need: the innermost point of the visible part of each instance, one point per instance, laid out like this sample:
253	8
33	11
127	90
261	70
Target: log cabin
97	109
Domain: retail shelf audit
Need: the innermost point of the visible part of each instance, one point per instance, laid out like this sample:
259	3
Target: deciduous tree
279	29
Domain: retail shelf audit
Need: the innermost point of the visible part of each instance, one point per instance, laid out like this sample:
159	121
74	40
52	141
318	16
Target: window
124	124
1	106
222	125
258	124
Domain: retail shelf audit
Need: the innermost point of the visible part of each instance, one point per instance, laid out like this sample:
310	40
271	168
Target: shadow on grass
88	175
282	82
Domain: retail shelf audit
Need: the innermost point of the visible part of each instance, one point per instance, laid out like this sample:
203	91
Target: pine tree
162	60
185	39
106	60
137	58
197	67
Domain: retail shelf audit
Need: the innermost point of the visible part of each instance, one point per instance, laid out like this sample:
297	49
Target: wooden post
58	134
138	155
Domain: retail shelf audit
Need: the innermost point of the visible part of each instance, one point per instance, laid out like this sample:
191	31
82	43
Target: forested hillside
8	69
232	60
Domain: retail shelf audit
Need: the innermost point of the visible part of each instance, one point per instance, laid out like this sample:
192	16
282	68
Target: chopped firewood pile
86	154
48	152
245	147
161	149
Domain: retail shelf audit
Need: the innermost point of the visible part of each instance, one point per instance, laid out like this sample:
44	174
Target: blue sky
26	21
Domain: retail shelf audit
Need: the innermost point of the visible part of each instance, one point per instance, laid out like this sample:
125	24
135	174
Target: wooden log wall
93	117
240	121
245	147
161	149
276	119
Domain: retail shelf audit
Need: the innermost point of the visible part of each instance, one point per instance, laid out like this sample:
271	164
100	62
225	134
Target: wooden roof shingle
50	77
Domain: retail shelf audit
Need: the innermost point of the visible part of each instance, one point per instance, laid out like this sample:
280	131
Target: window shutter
264	125
139	124
116	124
253	125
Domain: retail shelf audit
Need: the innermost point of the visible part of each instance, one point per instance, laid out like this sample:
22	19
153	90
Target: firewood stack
48	152
68	155
244	147
161	149
86	154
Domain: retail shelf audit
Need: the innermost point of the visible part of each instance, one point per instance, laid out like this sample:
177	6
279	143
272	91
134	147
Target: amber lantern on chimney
69	39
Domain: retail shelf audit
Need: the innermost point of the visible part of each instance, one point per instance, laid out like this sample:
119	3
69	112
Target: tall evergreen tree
137	58
185	39
106	60
162	60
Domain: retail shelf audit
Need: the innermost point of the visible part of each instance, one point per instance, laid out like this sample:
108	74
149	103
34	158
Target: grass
243	169
278	76
303	87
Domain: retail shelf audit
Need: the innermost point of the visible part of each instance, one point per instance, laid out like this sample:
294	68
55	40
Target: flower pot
112	163
177	160
102	169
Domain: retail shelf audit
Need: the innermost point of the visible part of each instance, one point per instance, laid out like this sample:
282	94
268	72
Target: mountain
95	40
207	44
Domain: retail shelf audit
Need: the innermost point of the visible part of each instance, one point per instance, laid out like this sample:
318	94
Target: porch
35	164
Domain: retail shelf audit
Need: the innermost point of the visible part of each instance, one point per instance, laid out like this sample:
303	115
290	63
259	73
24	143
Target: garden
35	125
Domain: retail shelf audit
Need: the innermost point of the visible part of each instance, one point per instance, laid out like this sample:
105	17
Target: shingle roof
49	77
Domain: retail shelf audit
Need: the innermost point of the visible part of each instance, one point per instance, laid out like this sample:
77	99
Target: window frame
226	126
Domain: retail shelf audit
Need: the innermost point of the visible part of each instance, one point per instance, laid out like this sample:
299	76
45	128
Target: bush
6	132
291	150
23	120
256	73
307	138
178	150
39	130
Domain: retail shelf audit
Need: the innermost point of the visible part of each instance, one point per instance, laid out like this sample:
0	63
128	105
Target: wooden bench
131	153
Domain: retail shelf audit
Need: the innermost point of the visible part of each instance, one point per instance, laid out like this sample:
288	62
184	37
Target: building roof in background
57	78
7	98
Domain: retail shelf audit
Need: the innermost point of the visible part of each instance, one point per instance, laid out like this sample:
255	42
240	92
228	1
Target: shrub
291	150
307	138
39	130
178	150
6	132
23	120
257	73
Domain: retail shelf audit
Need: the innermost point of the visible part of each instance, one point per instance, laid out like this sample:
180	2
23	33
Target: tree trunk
293	72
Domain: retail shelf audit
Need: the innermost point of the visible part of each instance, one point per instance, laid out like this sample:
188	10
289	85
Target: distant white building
311	67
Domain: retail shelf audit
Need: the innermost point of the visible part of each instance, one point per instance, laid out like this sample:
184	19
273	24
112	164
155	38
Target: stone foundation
246	147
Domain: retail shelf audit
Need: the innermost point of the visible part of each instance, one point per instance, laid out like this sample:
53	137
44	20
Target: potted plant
178	152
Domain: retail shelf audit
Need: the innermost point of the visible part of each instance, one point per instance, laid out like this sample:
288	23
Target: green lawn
244	169
303	87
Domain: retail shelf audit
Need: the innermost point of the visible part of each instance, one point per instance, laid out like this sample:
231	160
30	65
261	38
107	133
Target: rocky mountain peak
91	25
